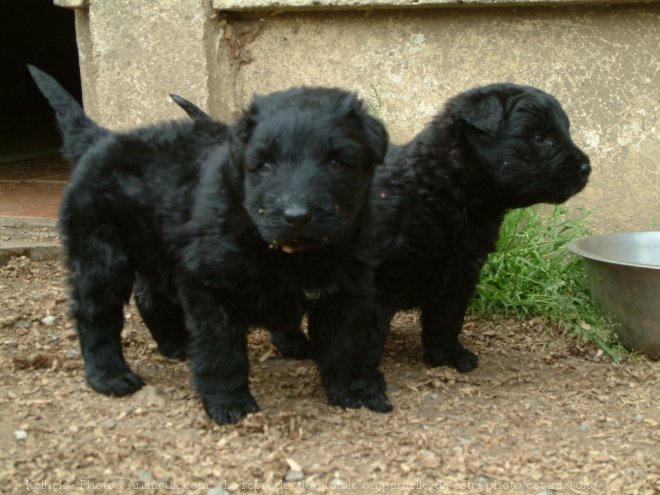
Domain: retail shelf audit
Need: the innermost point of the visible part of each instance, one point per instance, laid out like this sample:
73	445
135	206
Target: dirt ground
542	414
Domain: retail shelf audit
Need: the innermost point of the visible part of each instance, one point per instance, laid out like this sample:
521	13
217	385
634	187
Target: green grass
532	274
375	103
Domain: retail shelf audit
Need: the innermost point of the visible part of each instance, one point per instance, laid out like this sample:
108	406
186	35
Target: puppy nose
585	168
297	215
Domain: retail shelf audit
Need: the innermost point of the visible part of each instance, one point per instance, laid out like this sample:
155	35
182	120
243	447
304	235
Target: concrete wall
133	53
601	61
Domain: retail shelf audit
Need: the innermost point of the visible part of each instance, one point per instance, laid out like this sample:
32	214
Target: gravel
543	413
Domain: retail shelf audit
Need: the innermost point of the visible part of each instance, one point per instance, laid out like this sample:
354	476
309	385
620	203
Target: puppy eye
338	164
541	138
263	167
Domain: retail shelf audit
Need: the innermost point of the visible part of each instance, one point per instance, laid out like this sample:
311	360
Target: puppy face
521	136
308	162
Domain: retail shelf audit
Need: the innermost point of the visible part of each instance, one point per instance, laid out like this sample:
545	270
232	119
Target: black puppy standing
440	200
220	228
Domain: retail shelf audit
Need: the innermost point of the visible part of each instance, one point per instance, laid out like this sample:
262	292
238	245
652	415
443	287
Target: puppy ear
247	122
374	131
377	138
486	114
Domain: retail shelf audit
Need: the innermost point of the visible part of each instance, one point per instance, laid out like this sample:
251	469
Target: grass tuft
532	274
375	103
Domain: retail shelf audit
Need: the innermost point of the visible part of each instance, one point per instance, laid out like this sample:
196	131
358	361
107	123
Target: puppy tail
193	111
78	131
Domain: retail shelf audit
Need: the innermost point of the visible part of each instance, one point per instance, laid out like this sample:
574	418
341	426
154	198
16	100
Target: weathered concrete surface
71	4
288	5
36	238
601	61
133	54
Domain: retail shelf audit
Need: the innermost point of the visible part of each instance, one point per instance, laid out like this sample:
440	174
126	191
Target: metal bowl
624	278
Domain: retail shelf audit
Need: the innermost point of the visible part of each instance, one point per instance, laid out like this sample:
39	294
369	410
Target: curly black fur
221	227
439	202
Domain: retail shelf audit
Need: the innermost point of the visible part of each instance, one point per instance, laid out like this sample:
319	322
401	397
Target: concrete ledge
72	4
45	252
35	238
309	5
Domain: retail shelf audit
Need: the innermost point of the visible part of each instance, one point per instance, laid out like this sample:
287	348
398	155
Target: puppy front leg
377	332
338	333
217	353
442	320
440	328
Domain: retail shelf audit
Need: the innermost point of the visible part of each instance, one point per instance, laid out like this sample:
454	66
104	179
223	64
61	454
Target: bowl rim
576	248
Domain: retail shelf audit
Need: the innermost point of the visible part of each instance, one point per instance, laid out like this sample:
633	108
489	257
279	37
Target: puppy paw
456	356
173	349
117	384
294	345
228	410
362	392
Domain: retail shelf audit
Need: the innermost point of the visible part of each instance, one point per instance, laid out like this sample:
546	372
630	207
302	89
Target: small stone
484	480
145	475
337	484
20	435
108	424
49	320
427	453
584	427
148	396
72	354
463	442
294	476
217	490
295	472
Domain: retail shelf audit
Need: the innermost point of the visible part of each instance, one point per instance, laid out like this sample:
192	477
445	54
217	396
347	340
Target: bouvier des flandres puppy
222	227
439	202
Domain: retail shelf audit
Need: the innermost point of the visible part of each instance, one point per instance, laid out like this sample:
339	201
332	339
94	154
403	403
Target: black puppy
440	200
224	227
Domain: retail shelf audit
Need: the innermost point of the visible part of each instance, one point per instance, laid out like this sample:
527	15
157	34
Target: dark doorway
38	33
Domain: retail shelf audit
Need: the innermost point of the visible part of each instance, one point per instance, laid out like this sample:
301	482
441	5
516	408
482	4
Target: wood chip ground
542	414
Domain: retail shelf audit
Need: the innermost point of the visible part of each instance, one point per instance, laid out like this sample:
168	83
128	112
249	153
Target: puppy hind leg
291	342
102	281
287	336
164	319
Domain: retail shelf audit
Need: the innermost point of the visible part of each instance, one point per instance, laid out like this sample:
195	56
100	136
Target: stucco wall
601	61
132	54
